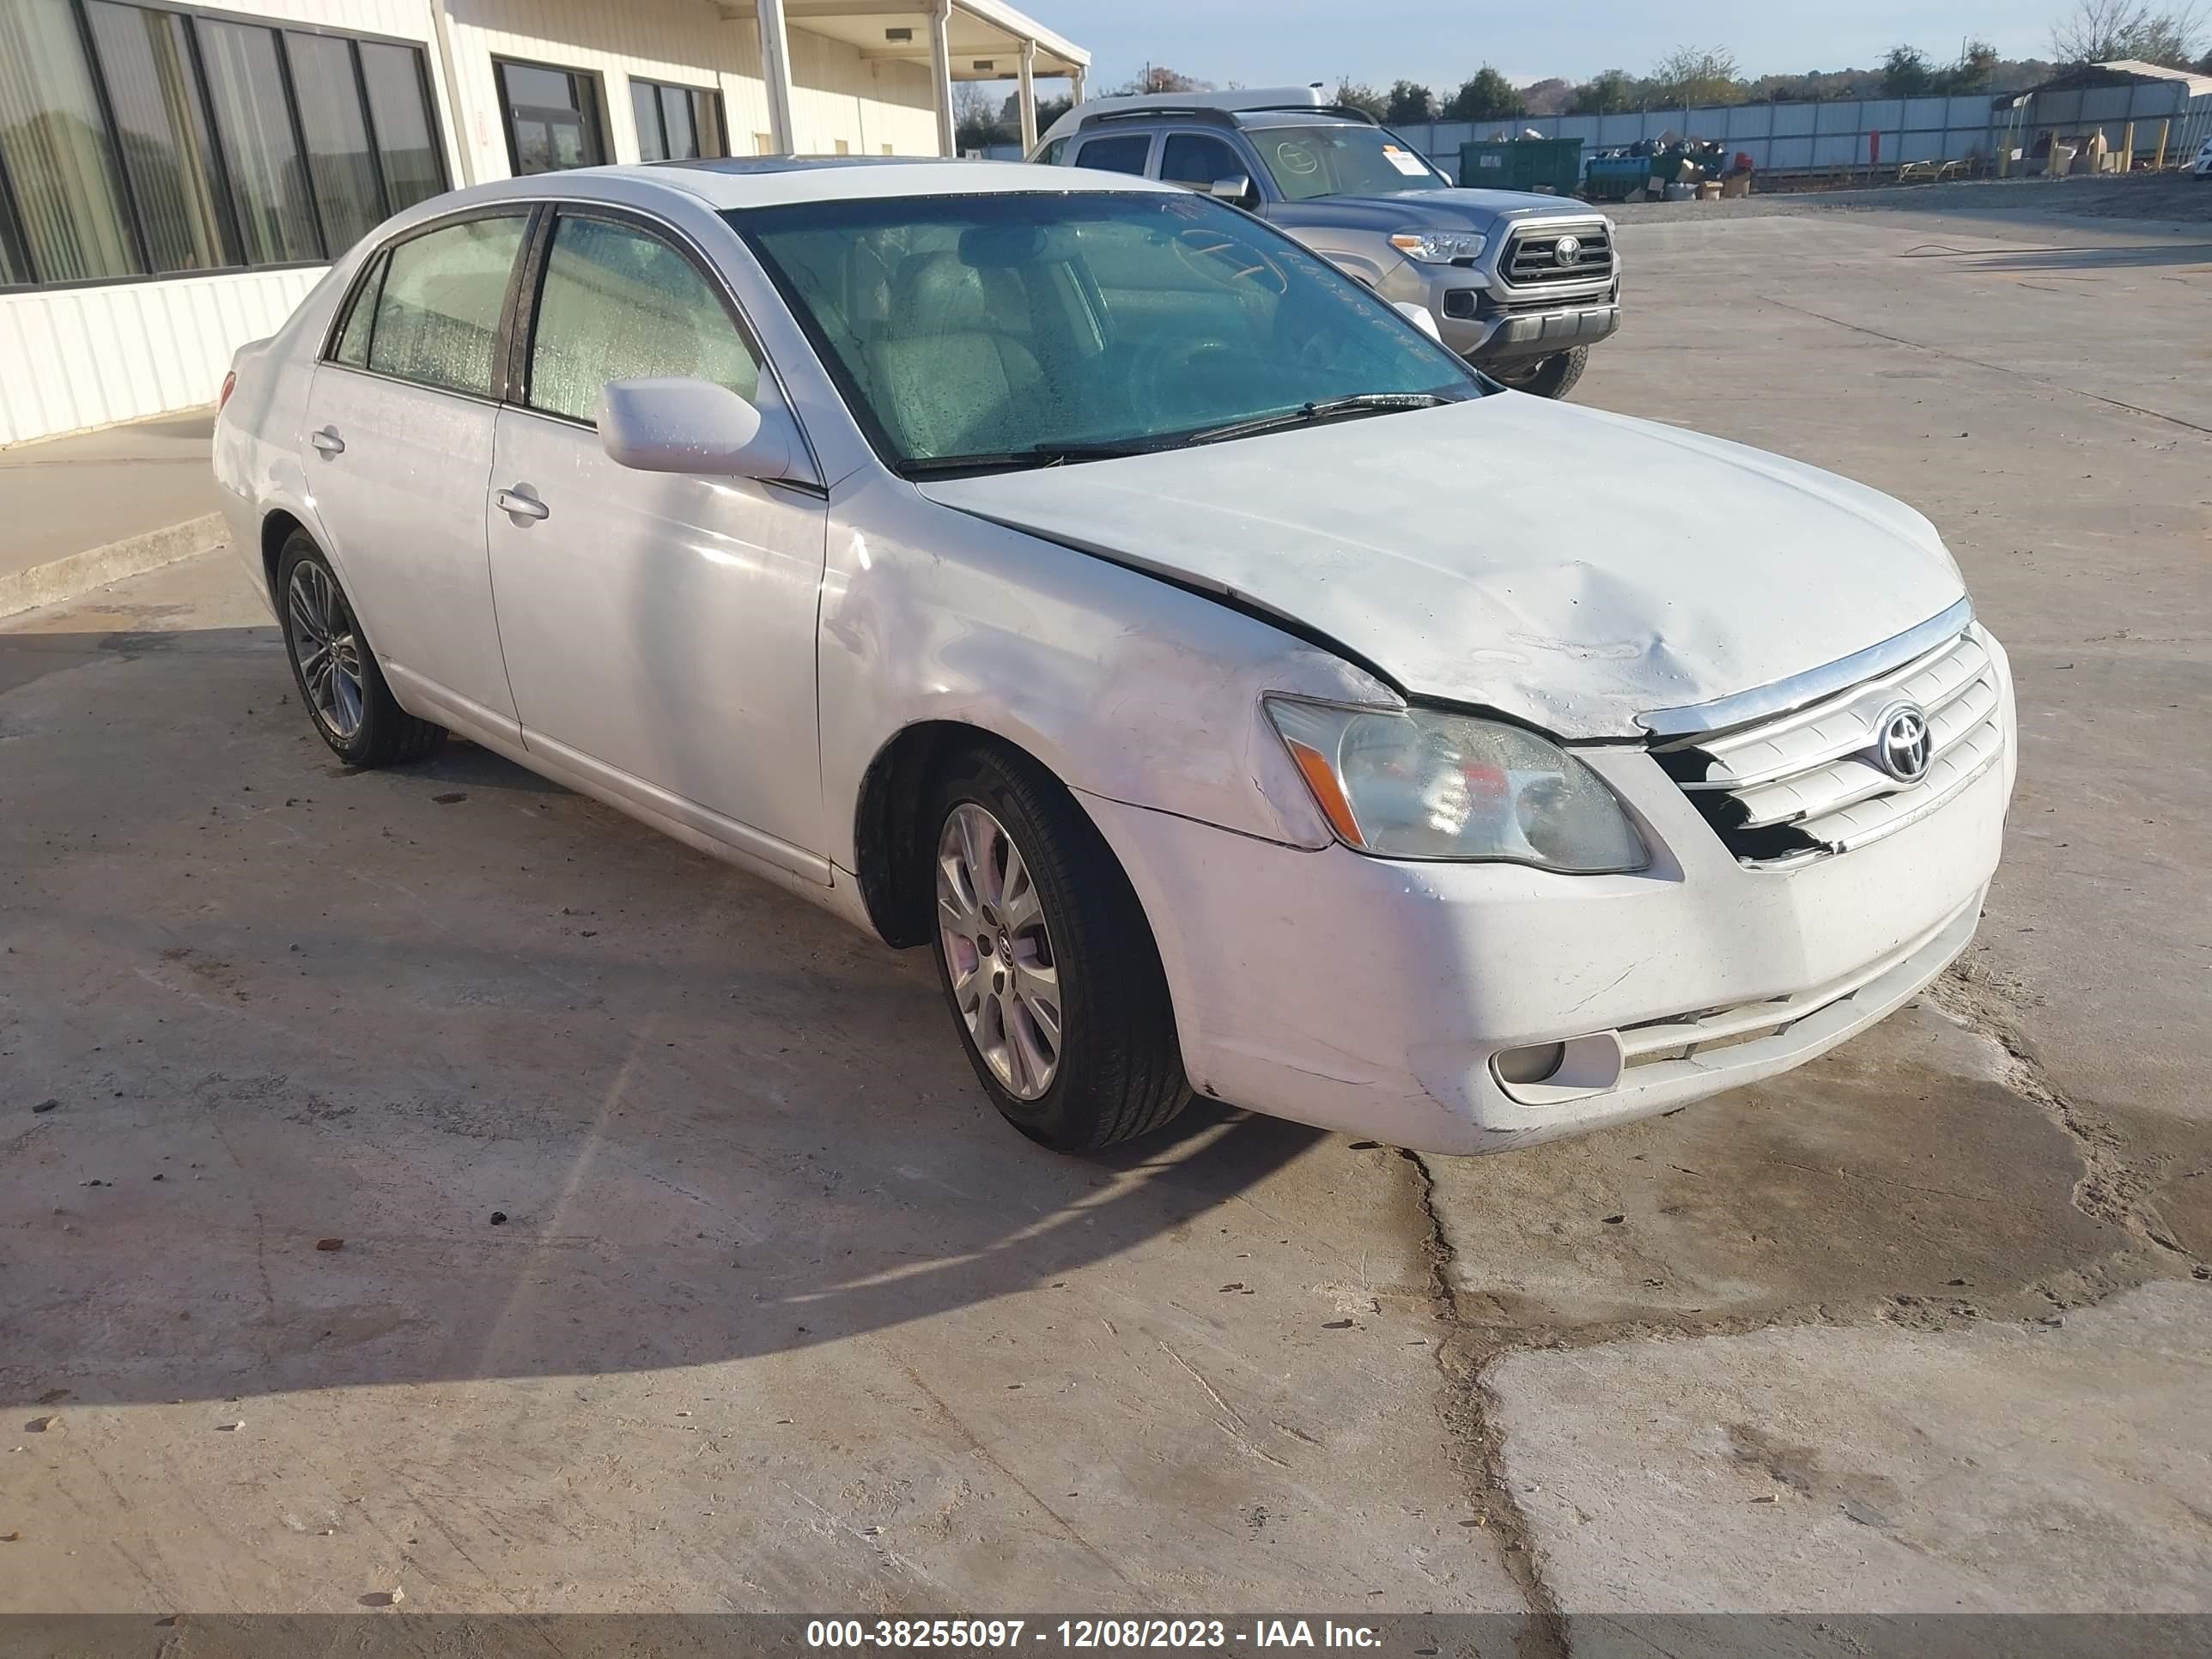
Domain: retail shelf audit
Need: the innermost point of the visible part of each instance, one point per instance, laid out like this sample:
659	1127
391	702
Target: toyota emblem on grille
1903	745
1568	250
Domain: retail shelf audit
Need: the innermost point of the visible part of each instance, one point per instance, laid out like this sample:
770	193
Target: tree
1409	101
1690	74
1905	73
1158	78
1548	96
1358	95
2099	31
1612	93
1486	96
1976	68
975	124
1049	110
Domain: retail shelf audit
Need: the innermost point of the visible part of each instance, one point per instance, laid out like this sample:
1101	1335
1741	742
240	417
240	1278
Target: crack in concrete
1470	1416
2112	1188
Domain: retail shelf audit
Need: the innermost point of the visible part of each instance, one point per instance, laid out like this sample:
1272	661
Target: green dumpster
1548	164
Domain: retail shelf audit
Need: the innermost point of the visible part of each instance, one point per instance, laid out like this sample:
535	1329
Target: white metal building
175	177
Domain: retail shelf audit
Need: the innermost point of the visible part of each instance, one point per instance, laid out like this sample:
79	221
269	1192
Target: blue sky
1442	42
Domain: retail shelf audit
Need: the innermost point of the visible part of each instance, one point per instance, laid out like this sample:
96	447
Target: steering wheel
1228	261
1158	365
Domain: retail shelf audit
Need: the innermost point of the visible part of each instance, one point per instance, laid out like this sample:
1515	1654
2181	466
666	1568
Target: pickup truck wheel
1547	377
1046	958
337	673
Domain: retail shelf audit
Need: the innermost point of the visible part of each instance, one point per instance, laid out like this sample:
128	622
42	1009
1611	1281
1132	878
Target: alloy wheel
998	951
327	645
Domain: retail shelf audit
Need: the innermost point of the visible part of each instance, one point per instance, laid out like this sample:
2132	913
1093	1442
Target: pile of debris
1669	167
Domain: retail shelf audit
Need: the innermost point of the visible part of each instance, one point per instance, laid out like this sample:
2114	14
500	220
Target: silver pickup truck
1521	285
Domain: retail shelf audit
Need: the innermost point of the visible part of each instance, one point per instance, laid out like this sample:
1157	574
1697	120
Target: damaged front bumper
1457	1008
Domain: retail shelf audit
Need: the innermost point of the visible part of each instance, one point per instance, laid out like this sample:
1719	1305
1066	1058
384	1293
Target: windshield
1341	159
1025	328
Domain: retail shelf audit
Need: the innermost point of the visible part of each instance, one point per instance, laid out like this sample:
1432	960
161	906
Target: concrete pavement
97	507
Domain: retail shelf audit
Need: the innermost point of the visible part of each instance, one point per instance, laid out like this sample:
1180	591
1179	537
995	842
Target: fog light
1532	1064
1459	302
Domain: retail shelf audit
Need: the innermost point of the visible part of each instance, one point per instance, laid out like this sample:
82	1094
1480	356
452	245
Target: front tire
1047	960
340	684
1544	377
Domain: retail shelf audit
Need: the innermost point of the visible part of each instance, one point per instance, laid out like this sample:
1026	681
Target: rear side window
353	338
620	304
437	314
1196	159
1123	153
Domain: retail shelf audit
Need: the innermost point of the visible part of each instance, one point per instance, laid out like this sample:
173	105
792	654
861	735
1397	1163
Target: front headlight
1425	785
1438	247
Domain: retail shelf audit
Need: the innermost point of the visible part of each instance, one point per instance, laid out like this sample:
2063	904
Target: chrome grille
1806	784
1531	259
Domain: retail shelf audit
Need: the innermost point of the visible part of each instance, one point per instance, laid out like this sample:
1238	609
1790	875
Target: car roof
766	181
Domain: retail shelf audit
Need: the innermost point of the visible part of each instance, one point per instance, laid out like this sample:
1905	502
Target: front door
401	421
659	628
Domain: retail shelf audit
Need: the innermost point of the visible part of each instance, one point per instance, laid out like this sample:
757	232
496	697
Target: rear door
659	628
400	424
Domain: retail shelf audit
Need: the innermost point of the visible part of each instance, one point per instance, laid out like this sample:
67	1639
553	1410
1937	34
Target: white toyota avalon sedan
1073	576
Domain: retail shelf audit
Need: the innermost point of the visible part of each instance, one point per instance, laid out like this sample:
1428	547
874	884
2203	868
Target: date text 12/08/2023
1083	1634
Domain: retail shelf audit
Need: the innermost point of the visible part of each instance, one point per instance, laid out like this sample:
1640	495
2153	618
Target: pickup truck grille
1532	258
1810	783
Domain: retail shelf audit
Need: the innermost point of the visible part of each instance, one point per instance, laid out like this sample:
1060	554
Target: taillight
229	385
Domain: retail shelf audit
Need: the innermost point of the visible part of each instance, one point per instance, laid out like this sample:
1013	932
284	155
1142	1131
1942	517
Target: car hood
1439	209
1566	567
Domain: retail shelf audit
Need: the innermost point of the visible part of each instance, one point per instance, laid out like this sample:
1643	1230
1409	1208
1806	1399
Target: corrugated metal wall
1789	137
71	358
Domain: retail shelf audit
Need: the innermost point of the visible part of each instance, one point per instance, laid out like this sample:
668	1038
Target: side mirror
1421	317
681	425
1236	188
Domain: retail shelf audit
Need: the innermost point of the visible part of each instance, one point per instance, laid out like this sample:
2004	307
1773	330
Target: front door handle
328	441
519	503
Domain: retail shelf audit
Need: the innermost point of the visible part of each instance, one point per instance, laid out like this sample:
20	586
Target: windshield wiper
1004	460
1329	409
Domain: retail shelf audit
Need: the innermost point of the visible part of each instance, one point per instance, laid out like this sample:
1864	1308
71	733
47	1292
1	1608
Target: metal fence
1860	132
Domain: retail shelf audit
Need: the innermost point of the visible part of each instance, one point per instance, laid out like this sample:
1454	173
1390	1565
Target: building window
552	116
676	124
140	140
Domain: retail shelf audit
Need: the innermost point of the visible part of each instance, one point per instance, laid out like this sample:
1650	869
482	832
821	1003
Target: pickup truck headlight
1426	784
1439	247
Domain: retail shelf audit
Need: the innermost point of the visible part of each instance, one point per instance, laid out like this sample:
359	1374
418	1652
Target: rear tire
1046	959
1544	377
340	684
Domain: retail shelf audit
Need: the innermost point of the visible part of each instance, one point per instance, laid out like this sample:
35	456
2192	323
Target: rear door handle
517	503
328	441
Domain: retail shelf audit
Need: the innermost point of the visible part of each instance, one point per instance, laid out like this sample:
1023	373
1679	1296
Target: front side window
1014	327
676	124
552	118
437	315
1197	159
1124	152
620	304
1341	159
1051	155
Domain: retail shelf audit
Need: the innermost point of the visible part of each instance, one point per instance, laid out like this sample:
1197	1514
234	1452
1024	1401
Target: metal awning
959	39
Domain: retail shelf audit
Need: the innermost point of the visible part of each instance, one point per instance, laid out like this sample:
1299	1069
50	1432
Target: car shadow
444	1072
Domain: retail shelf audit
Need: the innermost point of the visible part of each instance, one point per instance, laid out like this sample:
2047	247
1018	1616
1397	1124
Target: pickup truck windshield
1056	326
1341	159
